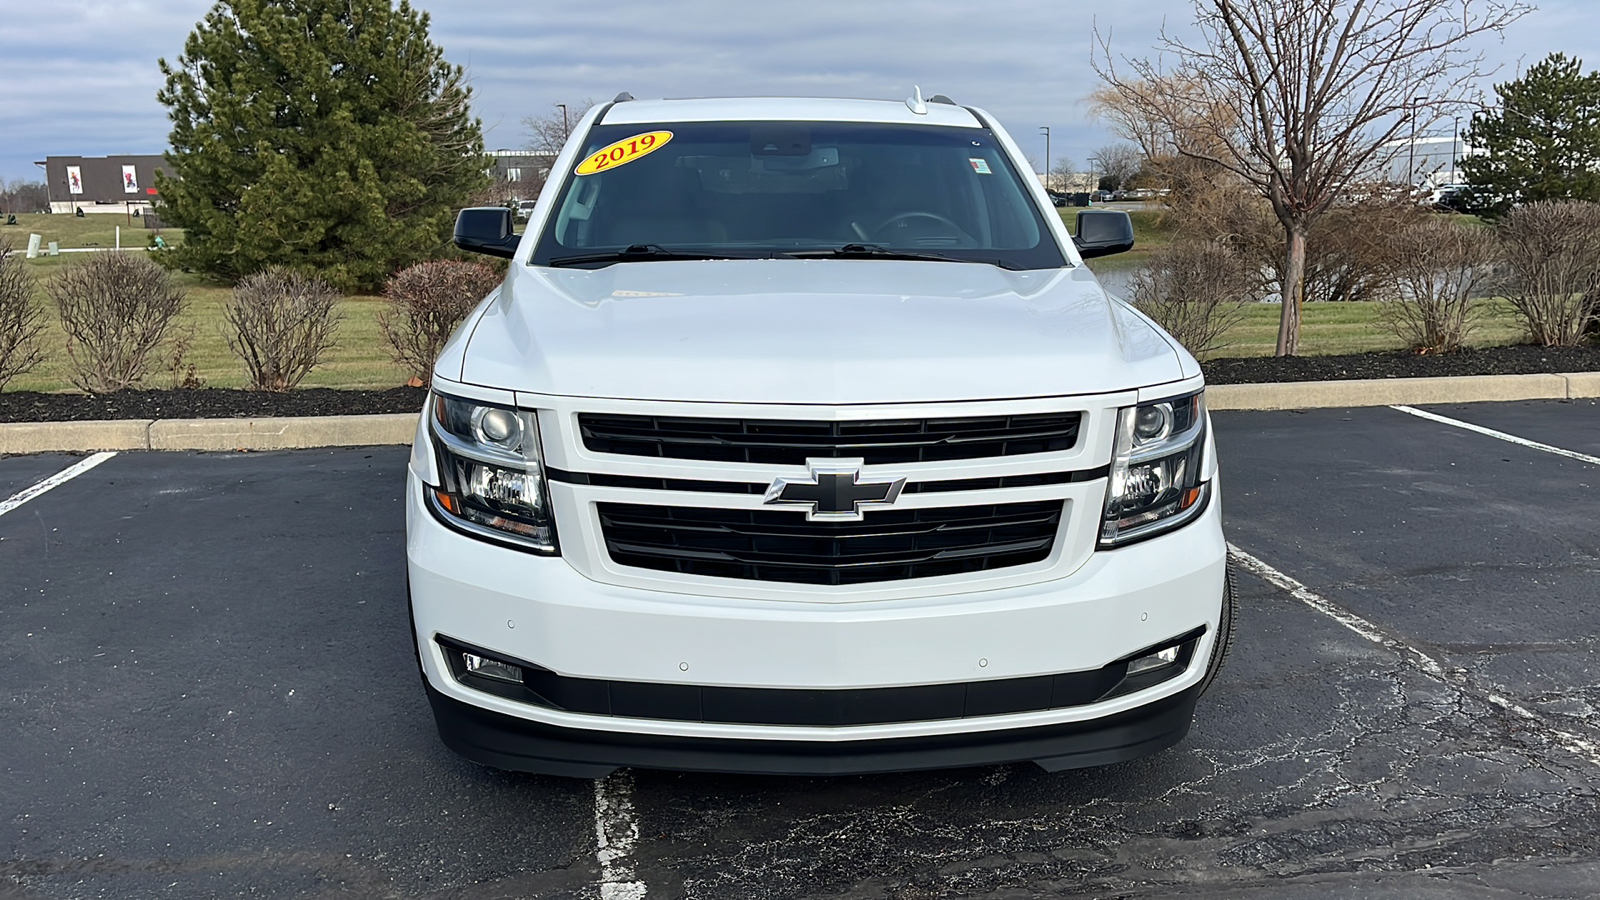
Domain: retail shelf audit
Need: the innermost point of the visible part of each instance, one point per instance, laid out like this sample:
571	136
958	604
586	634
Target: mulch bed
206	403
1516	360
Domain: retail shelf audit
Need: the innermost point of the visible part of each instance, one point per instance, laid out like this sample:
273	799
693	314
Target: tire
1219	652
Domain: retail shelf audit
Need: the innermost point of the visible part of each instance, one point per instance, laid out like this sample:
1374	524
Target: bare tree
1299	98
1159	115
548	133
1135	122
23	197
1061	174
1116	163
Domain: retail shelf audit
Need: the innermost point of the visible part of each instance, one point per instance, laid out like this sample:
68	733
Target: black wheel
1219	651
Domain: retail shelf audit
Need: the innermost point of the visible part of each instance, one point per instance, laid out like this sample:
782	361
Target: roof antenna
914	102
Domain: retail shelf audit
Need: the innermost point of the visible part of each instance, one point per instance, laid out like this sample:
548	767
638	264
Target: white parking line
1501	435
616	832
56	480
1576	744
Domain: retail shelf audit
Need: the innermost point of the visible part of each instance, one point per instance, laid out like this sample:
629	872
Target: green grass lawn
1330	329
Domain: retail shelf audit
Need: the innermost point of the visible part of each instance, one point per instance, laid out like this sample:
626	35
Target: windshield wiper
878	251
638	253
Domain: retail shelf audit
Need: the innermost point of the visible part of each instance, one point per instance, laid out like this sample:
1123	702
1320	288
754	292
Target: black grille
782	442
888	545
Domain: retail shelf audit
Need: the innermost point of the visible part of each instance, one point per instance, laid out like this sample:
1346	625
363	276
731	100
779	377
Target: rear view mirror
486	229
1102	232
819	157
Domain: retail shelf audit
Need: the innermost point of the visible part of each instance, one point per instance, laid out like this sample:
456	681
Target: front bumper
541	610
523	745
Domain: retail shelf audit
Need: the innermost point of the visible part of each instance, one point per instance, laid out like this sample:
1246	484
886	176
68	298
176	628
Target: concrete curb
1391	391
301	432
52	437
265	433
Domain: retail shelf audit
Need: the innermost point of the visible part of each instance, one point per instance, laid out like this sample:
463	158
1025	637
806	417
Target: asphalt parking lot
209	692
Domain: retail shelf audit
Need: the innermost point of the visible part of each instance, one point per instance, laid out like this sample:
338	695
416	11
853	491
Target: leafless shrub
1552	252
21	319
426	303
1443	272
116	309
1196	290
281	322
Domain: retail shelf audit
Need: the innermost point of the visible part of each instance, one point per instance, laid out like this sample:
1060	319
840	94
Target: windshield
772	189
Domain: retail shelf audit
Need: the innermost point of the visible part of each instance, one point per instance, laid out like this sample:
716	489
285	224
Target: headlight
1155	481
492	472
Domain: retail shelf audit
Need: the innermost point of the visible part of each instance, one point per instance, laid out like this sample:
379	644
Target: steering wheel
955	231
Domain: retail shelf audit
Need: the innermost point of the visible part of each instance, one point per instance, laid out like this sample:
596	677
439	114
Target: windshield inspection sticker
981	166
623	152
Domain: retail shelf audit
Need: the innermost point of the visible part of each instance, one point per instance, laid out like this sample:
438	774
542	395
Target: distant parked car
1100	197
1455	198
1056	197
1437	194
525	208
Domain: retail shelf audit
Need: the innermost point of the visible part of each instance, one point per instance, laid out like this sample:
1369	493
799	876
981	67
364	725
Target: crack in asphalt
1414	767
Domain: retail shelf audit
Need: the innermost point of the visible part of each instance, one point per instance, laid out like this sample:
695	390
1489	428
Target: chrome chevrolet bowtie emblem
834	492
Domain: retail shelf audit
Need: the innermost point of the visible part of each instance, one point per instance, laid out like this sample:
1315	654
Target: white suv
800	440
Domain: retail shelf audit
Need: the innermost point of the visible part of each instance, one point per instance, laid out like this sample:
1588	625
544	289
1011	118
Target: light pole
564	132
1455	149
1045	130
1411	158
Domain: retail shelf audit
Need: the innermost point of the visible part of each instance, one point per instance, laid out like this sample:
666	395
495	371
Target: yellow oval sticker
623	152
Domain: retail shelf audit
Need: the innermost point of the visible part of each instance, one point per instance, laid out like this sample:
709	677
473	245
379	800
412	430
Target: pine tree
329	135
1542	143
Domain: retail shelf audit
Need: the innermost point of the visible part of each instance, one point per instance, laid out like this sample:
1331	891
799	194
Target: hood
812	331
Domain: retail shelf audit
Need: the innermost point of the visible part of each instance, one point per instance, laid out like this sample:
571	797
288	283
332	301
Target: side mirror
1102	232
486	229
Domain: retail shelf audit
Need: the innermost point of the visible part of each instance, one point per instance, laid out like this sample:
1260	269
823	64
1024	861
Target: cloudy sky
81	76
